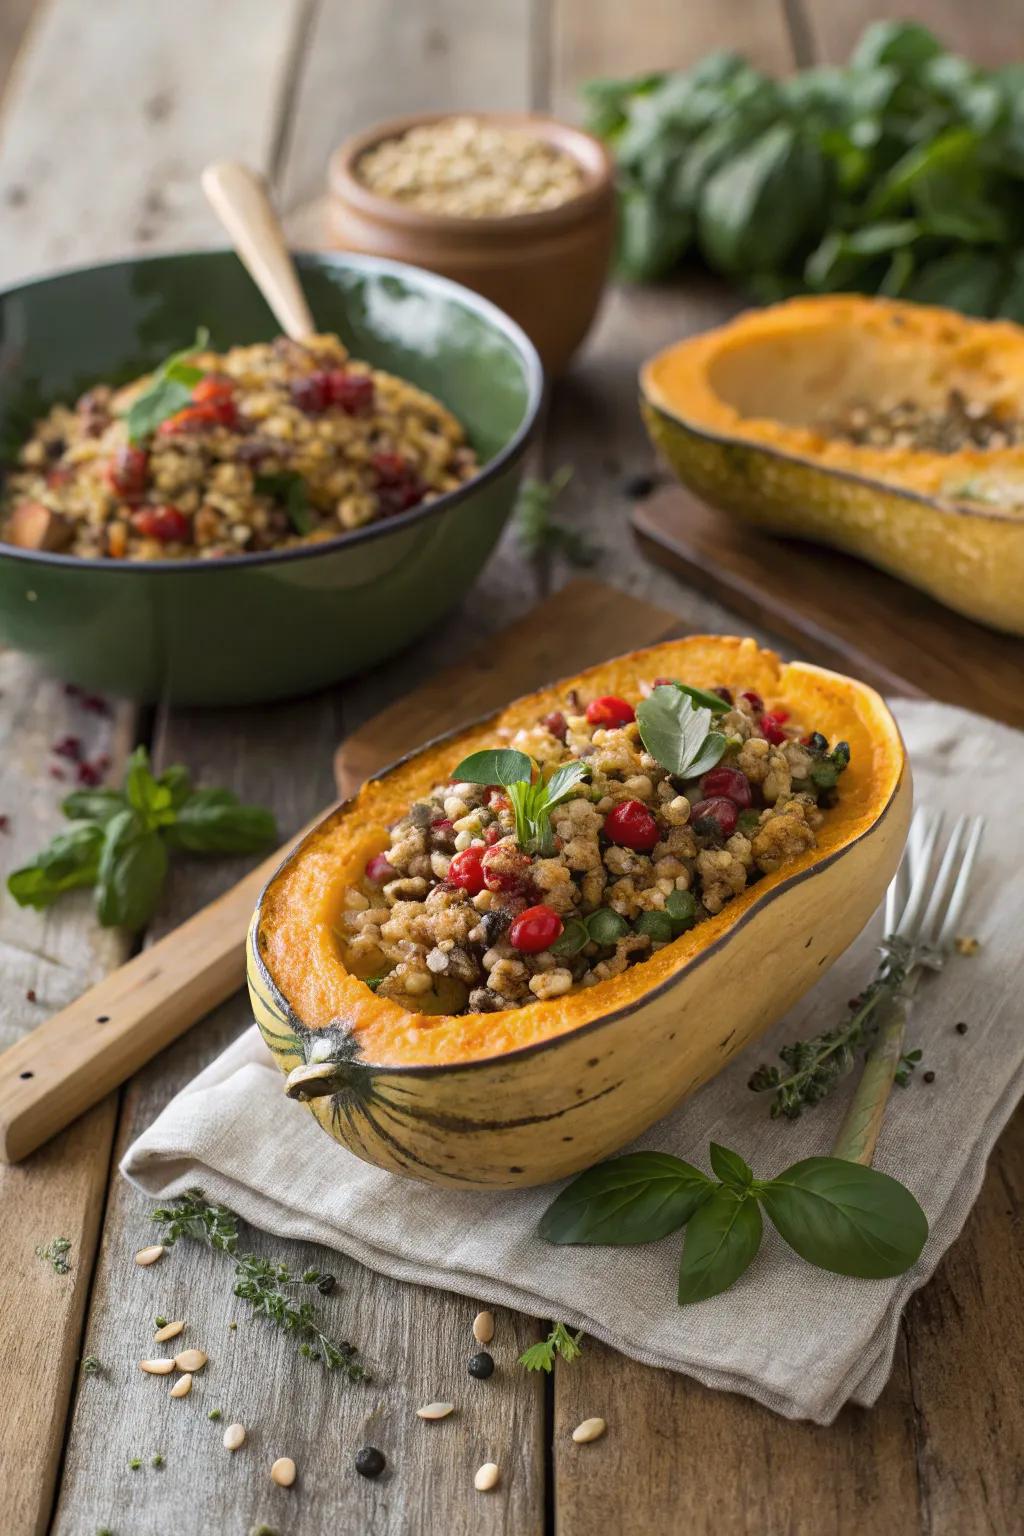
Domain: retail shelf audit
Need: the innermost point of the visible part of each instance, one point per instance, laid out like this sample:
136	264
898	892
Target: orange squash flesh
296	923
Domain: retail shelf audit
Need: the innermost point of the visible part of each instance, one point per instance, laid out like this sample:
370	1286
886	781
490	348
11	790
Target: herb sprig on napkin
121	839
835	1214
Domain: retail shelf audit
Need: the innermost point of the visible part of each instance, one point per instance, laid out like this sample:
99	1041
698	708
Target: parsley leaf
541	1357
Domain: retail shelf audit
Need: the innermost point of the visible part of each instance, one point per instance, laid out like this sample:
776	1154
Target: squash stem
862	1124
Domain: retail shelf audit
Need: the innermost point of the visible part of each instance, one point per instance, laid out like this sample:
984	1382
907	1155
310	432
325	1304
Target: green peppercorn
681	908
606	926
657	926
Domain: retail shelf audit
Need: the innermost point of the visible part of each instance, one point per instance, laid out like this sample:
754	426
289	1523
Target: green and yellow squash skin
741	414
523	1096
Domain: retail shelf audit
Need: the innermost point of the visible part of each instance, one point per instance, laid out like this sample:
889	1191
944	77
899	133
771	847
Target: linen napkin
798	1339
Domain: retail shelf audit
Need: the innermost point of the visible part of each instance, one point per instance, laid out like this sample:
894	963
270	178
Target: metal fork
923	907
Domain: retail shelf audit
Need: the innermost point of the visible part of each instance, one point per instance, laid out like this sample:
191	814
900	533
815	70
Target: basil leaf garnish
169	390
71	859
132	867
712	701
730	1167
677	734
637	1198
565	779
573	937
722	1238
504	766
847	1218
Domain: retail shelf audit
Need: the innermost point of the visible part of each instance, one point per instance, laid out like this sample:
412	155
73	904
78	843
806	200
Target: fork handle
862	1123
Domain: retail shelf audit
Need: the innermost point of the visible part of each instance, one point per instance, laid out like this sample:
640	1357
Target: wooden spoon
239	199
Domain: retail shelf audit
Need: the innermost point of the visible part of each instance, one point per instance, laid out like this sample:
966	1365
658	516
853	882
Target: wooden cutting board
836	609
584	623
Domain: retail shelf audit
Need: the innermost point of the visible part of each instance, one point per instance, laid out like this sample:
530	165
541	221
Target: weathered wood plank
112	112
591	38
418	1341
989	32
46	959
371	59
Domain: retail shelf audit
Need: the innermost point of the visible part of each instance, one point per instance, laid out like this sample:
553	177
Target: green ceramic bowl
257	627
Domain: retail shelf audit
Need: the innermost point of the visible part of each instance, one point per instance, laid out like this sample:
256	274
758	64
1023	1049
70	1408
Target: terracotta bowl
546	269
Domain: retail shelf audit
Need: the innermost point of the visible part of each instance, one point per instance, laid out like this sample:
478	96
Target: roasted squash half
526	1095
744	415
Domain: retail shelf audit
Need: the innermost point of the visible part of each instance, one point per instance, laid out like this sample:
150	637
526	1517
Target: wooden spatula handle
76	1057
239	199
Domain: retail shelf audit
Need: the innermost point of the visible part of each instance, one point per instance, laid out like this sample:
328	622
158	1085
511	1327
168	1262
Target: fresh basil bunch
168	391
901	173
835	1214
122	836
532	803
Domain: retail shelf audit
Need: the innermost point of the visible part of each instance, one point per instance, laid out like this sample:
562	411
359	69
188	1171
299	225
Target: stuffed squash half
516	948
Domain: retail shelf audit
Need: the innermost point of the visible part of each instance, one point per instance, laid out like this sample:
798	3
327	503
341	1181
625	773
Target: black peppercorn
481	1366
961	1029
370	1462
929	1077
325	1285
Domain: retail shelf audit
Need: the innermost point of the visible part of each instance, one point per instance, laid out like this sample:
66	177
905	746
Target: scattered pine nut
183	1386
150	1255
157	1367
483	1327
190	1360
967	945
283	1472
590	1429
435	1411
487	1477
168	1331
234	1436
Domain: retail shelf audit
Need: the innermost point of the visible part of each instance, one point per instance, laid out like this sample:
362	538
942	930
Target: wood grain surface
836	608
106	164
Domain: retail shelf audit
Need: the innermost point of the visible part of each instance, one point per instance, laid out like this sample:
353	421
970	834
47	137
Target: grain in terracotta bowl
518	206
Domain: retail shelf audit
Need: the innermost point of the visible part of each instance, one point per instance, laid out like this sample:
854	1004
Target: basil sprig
169	389
835	1214
676	733
121	839
532	802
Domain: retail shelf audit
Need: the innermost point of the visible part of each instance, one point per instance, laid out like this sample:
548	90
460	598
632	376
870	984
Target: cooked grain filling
265	447
455	917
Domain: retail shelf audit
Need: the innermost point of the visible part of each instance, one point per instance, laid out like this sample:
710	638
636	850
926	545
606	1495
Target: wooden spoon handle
79	1055
239	199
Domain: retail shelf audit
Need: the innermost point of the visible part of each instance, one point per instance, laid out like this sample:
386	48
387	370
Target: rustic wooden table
111	109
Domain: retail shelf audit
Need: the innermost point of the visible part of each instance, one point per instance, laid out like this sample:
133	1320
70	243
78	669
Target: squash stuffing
480	980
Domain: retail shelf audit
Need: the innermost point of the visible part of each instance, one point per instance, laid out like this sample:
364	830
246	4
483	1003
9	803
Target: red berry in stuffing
353	392
466	871
311	392
127	470
722	812
492	834
664	682
379	871
631	825
505	868
730	782
610	712
535	929
771	726
555	724
753	699
167	525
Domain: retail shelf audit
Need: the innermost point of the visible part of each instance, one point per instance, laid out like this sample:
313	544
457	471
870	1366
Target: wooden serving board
842	612
582	624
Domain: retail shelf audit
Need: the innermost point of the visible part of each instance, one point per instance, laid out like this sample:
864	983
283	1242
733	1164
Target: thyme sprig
560	1342
263	1283
537	529
818	1064
56	1253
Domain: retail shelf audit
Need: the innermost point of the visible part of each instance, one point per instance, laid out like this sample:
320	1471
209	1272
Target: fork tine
920	848
896	893
930	922
958	895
